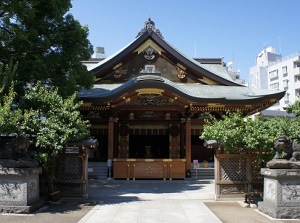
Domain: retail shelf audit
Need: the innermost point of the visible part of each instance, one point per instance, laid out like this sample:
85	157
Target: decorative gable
150	53
148	58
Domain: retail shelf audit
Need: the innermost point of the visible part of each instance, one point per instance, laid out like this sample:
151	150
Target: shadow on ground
123	191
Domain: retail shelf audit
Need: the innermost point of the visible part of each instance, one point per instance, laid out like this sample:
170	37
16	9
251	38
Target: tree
47	42
7	73
55	121
238	134
10	117
259	137
294	108
44	113
228	131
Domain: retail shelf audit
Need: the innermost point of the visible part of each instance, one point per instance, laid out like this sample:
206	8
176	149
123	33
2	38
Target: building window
297	94
285	84
273	74
274	86
284	70
296	64
287	98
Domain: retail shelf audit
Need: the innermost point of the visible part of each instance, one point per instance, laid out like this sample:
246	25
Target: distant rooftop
276	113
284	58
210	60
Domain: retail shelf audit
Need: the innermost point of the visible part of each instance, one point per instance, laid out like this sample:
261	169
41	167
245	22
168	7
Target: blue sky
234	29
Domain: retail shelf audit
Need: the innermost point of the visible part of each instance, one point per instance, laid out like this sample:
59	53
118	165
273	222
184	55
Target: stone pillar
188	146
281	193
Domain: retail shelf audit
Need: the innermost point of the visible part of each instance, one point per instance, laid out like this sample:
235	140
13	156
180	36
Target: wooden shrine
149	102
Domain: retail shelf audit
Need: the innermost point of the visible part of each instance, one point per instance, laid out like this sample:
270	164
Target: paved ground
145	201
151	201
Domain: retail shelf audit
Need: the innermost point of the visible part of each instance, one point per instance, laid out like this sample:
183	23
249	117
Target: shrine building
149	102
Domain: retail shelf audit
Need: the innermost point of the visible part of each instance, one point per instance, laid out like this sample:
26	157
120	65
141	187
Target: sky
237	30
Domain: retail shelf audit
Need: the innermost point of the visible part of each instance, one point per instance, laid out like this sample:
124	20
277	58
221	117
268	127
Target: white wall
288	78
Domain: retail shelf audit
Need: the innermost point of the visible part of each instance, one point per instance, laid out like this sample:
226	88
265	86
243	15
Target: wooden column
182	139
111	138
116	138
188	147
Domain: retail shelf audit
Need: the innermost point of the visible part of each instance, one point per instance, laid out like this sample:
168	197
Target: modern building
285	75
99	55
276	73
149	103
259	73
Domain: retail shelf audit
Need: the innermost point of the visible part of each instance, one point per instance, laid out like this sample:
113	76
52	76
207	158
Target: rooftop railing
284	58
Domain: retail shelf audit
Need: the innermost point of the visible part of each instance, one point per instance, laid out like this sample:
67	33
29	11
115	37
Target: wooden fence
69	176
237	174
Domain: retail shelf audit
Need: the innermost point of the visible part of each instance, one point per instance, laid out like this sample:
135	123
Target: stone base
21	209
281	193
283	164
279	212
19	187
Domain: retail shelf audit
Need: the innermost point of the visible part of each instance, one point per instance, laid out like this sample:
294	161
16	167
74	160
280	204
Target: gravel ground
232	212
62	211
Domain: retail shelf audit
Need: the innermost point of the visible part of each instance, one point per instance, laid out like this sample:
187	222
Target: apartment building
259	73
277	73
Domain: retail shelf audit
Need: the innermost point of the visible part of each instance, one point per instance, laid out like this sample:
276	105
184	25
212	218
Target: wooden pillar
182	139
116	138
188	147
111	138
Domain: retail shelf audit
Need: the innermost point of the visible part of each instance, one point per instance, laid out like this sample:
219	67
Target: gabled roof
212	88
216	73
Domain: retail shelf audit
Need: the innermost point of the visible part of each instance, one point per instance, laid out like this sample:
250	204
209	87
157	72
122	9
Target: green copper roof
193	91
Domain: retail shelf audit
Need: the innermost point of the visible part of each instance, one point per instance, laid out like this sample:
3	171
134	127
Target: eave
180	97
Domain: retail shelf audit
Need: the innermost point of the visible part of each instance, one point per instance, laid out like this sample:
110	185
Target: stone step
97	170
203	173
